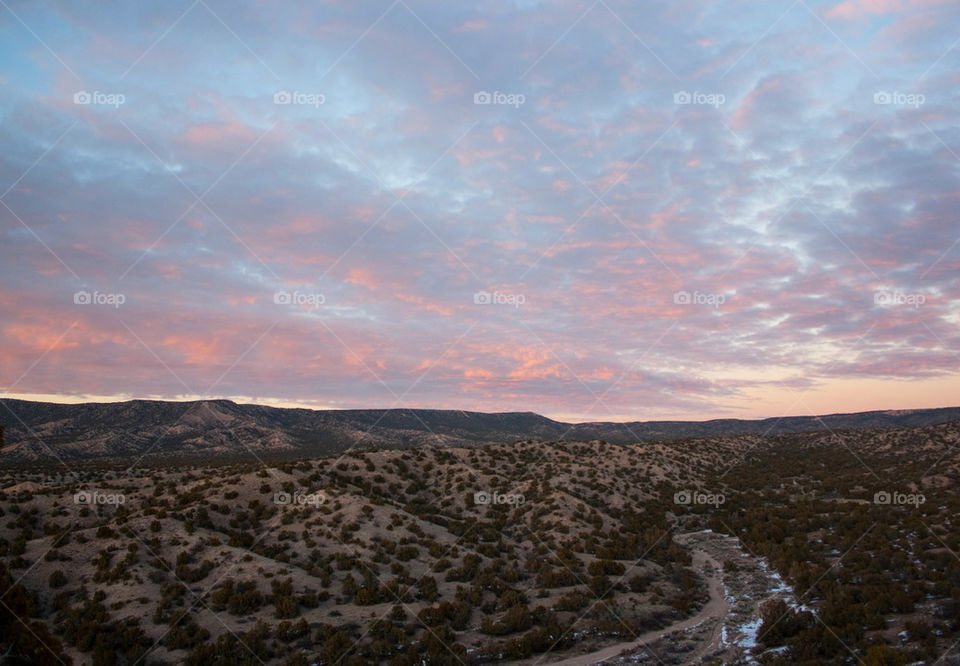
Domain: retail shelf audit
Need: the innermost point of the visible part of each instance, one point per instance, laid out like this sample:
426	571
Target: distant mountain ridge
156	429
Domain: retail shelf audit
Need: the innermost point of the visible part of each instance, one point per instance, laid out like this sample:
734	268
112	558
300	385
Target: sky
598	211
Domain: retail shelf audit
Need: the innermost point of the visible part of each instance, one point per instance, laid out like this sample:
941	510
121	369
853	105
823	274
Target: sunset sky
597	211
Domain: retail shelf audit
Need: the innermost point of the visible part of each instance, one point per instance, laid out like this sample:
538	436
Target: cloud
854	9
782	212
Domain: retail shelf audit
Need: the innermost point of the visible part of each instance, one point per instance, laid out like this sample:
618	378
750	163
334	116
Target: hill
151	430
810	548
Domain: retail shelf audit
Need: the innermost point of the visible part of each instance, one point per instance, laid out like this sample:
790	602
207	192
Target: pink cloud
427	305
472	25
226	129
199	350
214	133
441	92
853	9
363	277
751	103
40	338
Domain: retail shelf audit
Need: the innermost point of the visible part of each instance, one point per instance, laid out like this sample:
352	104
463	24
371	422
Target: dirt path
716	608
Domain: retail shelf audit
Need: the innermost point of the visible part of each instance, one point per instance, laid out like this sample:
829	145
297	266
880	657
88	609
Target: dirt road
725	628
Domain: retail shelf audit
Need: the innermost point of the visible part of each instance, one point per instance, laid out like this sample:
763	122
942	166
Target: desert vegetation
492	554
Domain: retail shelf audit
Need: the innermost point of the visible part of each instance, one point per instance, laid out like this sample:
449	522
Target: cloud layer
593	210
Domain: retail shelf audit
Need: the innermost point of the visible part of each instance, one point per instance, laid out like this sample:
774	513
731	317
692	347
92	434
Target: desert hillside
539	551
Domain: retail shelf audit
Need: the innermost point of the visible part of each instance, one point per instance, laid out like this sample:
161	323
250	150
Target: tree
428	588
22	640
780	623
57	579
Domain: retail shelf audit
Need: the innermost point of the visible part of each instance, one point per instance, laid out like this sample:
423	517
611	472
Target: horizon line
288	404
